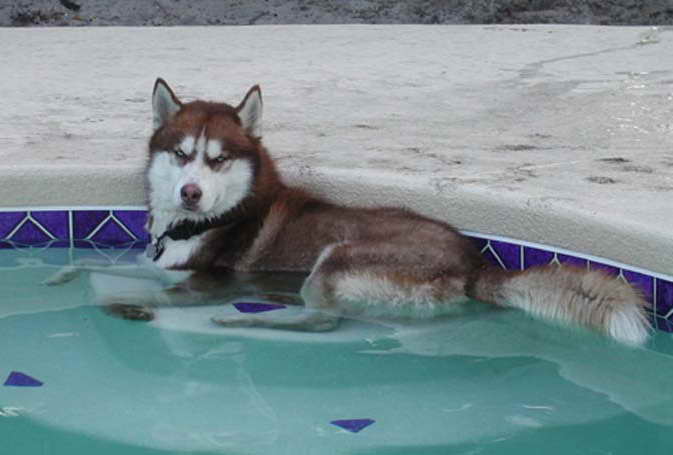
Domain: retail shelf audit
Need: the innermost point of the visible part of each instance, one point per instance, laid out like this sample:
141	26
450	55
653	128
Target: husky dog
218	208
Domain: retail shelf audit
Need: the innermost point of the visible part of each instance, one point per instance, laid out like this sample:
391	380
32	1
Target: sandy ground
249	12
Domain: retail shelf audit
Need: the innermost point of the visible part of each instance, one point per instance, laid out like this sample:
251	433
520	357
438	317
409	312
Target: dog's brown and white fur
207	162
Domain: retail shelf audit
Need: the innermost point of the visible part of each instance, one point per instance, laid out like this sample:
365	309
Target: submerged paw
131	312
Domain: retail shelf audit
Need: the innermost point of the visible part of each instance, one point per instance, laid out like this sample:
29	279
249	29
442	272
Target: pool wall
122	228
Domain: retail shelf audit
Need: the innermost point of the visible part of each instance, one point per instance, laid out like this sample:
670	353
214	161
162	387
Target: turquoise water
485	382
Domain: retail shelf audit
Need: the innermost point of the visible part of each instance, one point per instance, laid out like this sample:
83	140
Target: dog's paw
130	312
64	275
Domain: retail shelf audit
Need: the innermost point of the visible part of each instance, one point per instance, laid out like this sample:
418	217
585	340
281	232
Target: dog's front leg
199	288
216	286
139	306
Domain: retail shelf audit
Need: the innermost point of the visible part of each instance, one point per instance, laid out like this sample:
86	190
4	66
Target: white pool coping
497	129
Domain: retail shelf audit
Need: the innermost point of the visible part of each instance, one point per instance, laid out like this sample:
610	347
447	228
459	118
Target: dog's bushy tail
569	296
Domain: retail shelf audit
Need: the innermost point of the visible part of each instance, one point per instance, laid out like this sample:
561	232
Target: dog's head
204	156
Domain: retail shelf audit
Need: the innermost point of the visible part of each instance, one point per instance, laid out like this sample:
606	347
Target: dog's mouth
191	208
199	208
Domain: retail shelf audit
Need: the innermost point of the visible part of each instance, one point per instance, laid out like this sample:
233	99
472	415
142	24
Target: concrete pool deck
559	135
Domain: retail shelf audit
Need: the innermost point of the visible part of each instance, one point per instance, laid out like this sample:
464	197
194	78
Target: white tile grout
39	226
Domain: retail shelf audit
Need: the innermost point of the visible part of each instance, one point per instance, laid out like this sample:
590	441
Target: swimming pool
79	381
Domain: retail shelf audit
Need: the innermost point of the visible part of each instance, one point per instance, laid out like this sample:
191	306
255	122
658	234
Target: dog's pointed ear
164	103
250	111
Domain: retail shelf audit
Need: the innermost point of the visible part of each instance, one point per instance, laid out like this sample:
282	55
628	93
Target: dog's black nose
191	194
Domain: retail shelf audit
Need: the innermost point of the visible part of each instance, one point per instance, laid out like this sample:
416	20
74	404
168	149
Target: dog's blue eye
220	159
180	154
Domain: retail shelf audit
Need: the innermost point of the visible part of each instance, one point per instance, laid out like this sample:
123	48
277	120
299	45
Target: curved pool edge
543	220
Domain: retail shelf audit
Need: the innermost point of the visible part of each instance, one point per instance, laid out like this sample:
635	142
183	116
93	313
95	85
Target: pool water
485	381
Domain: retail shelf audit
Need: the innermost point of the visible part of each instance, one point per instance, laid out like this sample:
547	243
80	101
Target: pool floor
486	382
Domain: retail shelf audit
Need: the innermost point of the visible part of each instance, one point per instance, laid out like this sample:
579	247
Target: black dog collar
184	230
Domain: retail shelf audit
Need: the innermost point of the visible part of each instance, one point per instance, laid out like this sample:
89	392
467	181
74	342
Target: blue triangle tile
111	234
85	221
479	242
608	269
644	283
534	256
30	234
18	379
256	307
491	258
134	220
353	425
572	260
8	221
509	253
54	221
664	304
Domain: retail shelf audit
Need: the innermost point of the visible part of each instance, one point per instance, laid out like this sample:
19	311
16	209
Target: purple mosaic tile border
124	228
68	228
